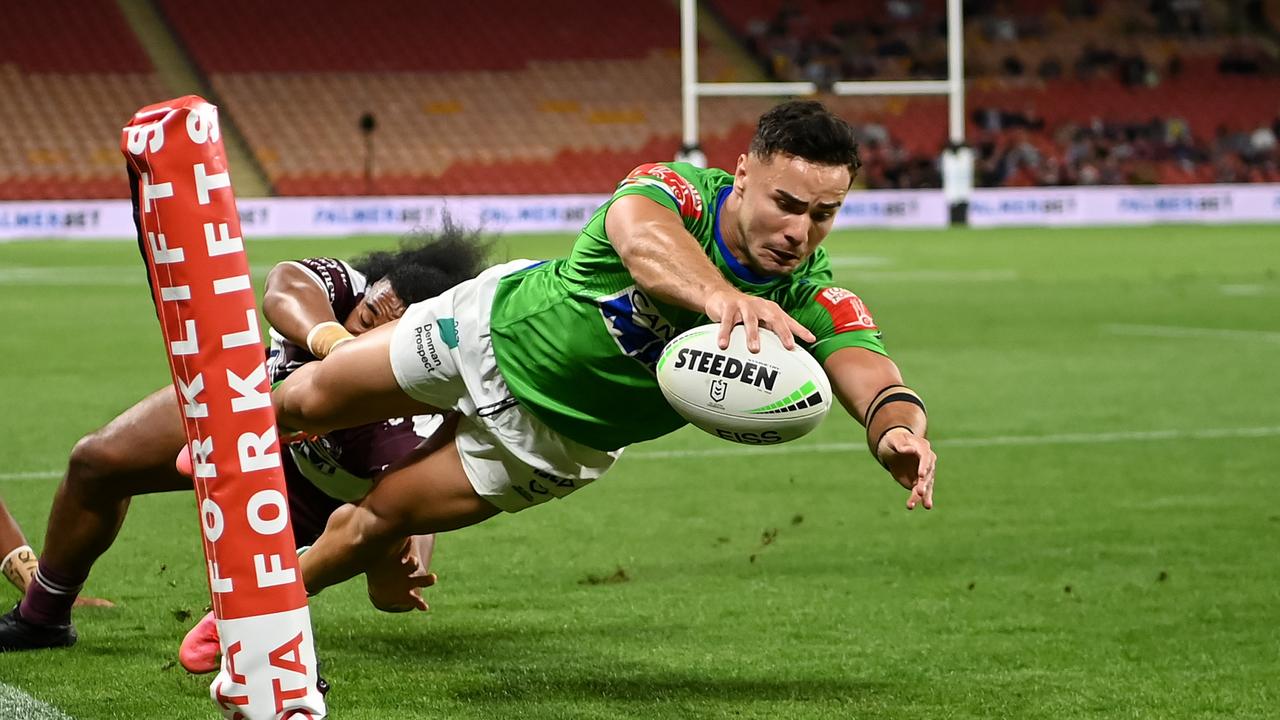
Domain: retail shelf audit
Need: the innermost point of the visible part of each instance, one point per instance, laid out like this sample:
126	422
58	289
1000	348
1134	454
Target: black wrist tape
907	397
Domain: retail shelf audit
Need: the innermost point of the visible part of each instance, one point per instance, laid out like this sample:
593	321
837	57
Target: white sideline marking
1174	331
869	269
16	704
94	275
820	448
859	261
31	475
872	267
1243	290
991	275
994	441
71	275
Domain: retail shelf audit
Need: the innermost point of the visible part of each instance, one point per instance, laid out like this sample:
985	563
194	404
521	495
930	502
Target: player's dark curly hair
428	263
807	130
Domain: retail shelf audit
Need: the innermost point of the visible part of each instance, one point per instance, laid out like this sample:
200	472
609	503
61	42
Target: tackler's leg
132	455
19	563
428	495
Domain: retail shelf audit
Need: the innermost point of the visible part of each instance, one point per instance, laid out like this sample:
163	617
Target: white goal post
957	168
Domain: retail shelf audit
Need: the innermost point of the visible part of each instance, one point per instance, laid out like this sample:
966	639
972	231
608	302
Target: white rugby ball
764	398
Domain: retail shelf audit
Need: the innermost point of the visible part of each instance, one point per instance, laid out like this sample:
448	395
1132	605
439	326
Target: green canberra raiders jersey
577	341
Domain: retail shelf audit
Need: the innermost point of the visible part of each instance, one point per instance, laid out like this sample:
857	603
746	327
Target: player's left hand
912	463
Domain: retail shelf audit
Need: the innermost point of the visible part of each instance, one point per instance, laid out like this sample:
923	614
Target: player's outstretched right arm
669	265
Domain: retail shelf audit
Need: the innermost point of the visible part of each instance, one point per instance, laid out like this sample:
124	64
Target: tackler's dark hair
807	130
428	263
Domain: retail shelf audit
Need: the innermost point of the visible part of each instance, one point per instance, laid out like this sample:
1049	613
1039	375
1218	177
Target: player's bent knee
310	412
93	460
305	405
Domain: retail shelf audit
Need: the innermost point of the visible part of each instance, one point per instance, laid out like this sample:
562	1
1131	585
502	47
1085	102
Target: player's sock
49	599
19	566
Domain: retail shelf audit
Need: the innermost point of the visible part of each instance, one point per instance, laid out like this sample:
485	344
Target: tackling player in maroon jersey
313	306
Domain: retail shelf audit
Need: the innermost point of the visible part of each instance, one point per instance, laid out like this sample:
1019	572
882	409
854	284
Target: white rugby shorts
441	355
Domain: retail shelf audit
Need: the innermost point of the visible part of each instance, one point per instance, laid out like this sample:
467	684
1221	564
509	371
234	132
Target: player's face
788	206
380	305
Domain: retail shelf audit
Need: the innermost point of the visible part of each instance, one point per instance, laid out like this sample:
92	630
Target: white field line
72	275
873	267
869	268
980	442
1174	331
1243	290
16	704
859	261
133	239
822	448
31	475
88	275
977	276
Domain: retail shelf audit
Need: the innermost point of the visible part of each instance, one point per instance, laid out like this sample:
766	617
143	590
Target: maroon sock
49	598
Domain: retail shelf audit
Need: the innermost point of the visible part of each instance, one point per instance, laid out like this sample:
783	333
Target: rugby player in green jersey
551	364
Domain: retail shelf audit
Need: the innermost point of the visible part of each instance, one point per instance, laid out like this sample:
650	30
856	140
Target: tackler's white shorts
442	356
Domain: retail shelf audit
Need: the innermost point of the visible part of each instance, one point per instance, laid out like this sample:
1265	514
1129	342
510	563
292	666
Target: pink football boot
201	652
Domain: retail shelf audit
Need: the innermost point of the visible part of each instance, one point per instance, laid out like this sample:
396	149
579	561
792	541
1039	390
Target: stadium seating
516	108
284	36
463	132
71	74
557	96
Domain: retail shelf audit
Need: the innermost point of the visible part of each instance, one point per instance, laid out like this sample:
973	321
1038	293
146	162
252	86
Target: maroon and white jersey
344	462
343	285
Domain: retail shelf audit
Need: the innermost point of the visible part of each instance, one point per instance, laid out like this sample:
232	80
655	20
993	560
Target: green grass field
1104	404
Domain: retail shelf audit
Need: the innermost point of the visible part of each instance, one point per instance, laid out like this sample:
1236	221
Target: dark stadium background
502	97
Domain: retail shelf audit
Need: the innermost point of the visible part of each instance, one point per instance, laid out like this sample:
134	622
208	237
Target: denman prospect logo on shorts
448	331
425	344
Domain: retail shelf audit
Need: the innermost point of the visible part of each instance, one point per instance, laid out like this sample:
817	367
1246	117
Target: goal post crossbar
692	90
869	87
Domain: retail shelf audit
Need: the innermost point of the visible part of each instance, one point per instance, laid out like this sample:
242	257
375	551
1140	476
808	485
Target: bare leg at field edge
131	455
18	561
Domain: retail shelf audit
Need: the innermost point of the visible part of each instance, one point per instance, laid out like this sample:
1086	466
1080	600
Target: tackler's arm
299	309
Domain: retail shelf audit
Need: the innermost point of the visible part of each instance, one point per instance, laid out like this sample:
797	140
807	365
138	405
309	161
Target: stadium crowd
1070	91
1012	45
906	42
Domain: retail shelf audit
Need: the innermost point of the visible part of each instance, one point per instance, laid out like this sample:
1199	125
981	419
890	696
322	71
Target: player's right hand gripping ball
763	398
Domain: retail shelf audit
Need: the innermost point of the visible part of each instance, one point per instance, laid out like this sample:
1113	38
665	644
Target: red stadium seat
556	96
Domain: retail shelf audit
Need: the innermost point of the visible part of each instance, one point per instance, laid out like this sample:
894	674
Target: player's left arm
297	304
871	388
